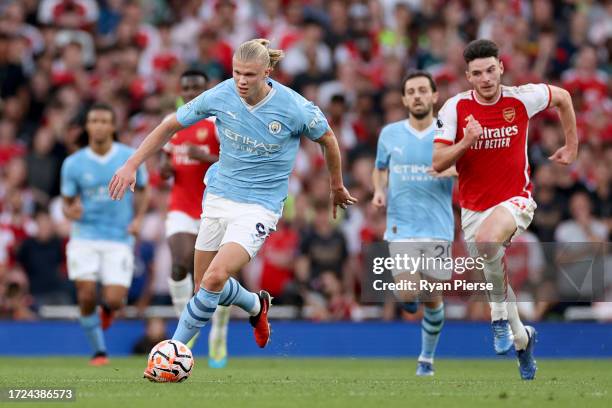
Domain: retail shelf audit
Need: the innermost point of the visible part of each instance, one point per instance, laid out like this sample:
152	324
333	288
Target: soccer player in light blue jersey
260	123
102	237
419	204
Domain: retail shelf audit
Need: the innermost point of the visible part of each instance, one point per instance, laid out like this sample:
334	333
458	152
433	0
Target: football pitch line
316	383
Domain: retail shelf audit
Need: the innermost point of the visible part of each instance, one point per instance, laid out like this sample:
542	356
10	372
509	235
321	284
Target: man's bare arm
562	100
125	177
339	194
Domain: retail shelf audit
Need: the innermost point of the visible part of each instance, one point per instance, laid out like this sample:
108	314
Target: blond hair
259	50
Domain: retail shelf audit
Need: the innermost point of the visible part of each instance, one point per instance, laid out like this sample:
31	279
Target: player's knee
216	275
406	296
114	303
87	300
487	243
485	236
179	271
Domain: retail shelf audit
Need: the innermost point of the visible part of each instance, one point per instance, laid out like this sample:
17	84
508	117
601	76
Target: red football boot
99	359
261	327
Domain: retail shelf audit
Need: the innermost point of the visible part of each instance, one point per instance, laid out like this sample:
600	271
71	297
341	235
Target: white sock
256	307
180	292
518	330
217	338
495	274
499	311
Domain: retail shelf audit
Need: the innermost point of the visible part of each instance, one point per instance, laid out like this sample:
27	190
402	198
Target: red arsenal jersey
495	168
188	188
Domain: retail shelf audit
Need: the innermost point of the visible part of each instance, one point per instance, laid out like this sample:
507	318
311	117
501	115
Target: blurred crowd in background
348	56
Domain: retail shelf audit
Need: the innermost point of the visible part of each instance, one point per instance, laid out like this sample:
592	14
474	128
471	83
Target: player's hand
379	200
194	152
134	227
565	155
124	177
473	131
341	197
74	210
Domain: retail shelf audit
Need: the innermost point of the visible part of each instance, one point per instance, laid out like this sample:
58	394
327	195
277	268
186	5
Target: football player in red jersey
484	133
186	158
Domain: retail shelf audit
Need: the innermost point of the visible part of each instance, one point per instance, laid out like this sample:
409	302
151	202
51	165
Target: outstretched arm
562	100
339	194
126	176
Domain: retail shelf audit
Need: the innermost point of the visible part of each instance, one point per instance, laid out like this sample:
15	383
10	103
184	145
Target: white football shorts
521	208
179	222
425	255
226	221
108	262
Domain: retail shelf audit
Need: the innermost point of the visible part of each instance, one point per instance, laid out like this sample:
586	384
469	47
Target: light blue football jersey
87	174
258	143
418	204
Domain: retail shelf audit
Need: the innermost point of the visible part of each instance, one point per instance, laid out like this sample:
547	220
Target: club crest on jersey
202	134
274	127
509	114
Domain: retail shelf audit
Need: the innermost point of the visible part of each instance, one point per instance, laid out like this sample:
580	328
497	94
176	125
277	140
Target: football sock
234	294
196	314
180	292
431	326
93	331
494	273
217	338
518	330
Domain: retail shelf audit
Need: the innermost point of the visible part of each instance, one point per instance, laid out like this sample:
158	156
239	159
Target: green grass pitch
372	383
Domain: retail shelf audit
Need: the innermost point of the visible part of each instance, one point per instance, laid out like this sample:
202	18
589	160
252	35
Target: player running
419	204
187	156
484	131
260	123
101	241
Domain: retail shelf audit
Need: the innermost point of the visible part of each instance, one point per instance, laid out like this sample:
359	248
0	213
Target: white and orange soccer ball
169	361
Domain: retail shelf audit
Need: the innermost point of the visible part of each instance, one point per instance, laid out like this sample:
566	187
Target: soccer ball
169	361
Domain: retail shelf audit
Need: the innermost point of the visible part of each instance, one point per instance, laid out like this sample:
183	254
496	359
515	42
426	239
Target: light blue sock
196	314
431	326
234	294
93	331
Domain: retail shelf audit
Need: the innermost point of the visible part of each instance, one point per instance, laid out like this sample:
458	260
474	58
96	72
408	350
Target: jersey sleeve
142	176
382	153
446	123
197	109
313	122
69	185
535	97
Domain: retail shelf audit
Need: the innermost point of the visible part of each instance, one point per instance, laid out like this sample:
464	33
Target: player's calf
108	309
